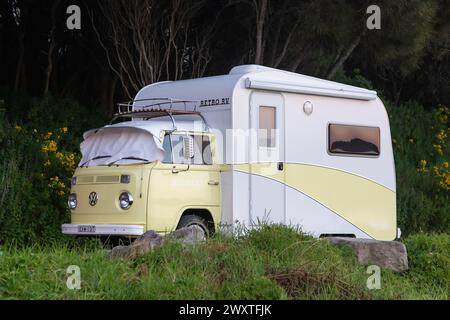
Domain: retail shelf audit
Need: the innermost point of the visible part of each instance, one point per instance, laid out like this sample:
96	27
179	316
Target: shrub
37	160
429	258
26	209
423	203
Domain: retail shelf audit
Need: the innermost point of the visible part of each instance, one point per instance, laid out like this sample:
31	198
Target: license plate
86	229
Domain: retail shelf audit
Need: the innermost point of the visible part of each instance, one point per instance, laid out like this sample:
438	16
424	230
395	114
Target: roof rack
168	103
155	110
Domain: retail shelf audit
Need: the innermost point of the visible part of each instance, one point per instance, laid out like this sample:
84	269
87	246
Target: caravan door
266	158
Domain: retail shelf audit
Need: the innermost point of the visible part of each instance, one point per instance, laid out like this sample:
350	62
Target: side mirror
188	147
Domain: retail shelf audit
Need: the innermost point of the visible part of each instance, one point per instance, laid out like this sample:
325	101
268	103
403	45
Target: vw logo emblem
93	198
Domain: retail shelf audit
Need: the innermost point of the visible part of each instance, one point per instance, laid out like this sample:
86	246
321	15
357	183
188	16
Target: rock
151	240
119	252
145	243
189	235
391	255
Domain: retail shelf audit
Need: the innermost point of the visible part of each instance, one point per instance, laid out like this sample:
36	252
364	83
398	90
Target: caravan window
267	127
353	140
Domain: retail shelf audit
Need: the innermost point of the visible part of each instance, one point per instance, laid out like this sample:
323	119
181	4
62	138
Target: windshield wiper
95	158
128	158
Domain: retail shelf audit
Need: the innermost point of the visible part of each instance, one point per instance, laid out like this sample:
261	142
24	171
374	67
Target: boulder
150	240
118	252
189	235
390	255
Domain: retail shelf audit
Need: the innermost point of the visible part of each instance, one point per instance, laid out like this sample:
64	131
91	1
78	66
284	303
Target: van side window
167	145
206	150
353	140
202	150
267	127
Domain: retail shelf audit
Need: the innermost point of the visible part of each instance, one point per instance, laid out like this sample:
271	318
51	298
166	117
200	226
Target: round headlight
72	201
125	200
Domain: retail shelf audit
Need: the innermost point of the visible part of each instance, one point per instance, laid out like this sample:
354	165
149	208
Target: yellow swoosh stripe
366	204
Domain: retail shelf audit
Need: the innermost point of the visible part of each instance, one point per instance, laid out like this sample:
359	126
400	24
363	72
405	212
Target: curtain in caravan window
358	140
267	126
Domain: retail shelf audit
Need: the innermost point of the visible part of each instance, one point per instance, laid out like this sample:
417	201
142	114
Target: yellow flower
65	129
59	155
422	166
443	118
52	146
436	171
445	165
48	135
441	136
438	149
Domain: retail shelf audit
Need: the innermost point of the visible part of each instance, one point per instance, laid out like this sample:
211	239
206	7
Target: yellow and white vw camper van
257	144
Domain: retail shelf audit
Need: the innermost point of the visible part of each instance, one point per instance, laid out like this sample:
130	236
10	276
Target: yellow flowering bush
440	169
38	154
59	165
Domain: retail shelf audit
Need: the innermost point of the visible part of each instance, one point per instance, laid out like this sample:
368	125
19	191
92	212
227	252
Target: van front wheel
194	221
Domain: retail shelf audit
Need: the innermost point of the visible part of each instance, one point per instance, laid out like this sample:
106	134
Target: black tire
193	220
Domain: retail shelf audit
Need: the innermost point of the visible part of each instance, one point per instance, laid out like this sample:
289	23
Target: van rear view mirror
188	147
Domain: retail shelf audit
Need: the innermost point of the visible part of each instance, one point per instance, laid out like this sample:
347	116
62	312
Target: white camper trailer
294	149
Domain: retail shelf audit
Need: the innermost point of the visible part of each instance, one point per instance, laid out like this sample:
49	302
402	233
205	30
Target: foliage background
55	83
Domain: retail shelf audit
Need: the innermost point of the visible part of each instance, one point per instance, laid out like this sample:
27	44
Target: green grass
272	263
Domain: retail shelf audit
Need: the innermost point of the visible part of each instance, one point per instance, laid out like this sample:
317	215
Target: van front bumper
102	229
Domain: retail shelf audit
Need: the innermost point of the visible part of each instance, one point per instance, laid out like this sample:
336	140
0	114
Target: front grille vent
97	179
107	179
85	179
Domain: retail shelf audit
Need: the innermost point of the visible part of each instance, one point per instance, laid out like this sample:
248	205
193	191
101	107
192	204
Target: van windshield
116	146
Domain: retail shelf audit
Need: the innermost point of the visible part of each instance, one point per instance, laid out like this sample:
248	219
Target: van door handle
213	183
176	170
